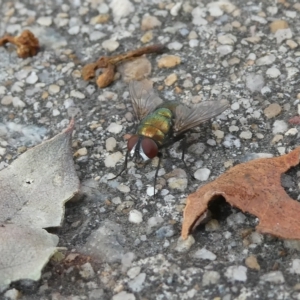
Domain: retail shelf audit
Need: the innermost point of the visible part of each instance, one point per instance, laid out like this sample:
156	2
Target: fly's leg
159	155
183	144
124	167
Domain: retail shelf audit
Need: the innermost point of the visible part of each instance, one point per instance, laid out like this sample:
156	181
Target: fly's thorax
157	125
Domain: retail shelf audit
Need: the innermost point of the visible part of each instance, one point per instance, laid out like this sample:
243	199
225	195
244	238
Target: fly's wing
144	99
187	118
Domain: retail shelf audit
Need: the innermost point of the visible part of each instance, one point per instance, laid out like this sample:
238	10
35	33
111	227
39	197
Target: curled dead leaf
253	187
27	44
109	63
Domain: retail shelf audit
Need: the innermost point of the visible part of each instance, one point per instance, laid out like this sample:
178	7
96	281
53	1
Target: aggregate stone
279	126
295	268
202	174
110	45
150	22
236	273
274	277
210	278
123	296
204	254
168	61
135	216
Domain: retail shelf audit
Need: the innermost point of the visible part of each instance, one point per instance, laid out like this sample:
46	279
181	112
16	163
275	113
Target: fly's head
141	148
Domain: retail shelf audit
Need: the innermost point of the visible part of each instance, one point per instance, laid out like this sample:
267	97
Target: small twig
109	64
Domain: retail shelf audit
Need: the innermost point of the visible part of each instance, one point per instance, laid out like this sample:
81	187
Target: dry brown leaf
108	63
253	187
27	44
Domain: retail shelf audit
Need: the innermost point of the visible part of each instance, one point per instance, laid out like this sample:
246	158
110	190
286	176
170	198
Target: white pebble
44	21
193	43
123	296
32	78
266	60
295	269
110	144
224	49
135	216
55	112
175	9
53	89
236	273
74	30
77	94
110	45
283	34
202	174
133	272
292	131
255	82
235	106
175	46
17	102
246	135
274	277
273	72
114	128
123	188
96	35
121	9
112	159
204	254
279	126
184	245
150	191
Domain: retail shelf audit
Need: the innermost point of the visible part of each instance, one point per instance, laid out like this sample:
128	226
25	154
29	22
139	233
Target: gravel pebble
7	100
184	245
251	263
110	45
133	272
114	128
135	216
171	79
272	110
274	277
150	22
112	159
210	278
136	284
44	21
279	126
273	72
110	144
165	231
32	78
202	174
236	273
53	89
295	268
246	135
123	188
266	60
204	254
255	82
123	296
168	61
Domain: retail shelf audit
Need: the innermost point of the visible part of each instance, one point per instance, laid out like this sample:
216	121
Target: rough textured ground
128	241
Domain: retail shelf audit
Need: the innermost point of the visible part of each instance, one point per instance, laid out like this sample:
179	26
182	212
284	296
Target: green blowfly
162	123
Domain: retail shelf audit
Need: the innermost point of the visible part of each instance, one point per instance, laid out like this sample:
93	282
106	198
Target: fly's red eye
149	147
132	142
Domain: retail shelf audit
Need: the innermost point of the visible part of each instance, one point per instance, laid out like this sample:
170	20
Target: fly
162	123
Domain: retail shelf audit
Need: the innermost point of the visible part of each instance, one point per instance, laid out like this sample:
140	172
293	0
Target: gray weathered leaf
35	187
24	251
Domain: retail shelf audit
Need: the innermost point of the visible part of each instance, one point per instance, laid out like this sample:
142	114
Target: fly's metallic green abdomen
157	125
